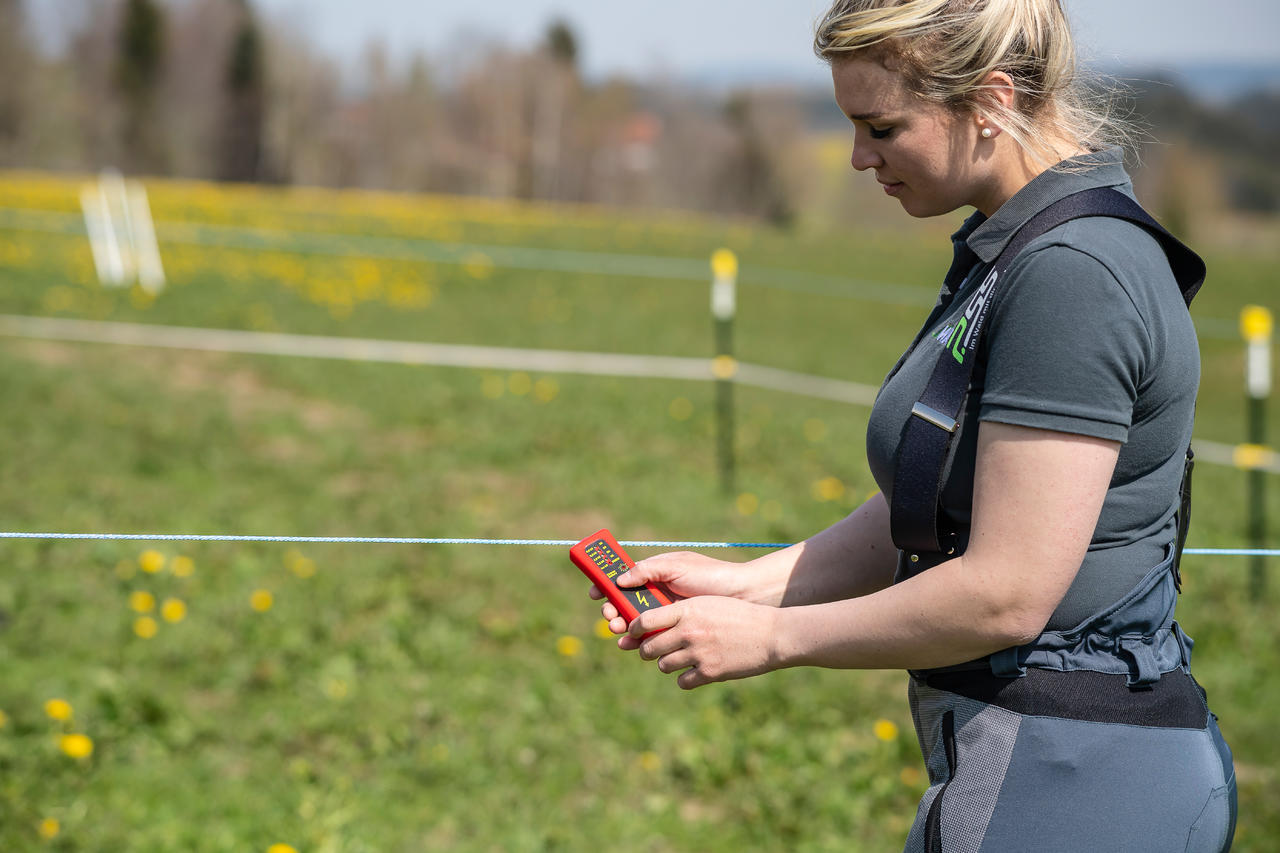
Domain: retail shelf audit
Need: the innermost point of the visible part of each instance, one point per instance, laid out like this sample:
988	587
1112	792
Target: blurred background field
222	696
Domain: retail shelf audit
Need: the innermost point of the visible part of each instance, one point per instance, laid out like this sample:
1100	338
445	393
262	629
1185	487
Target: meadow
233	696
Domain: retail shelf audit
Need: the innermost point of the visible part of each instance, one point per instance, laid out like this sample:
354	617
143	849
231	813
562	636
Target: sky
689	38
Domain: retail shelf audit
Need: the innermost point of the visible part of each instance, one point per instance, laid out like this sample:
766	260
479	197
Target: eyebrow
865	116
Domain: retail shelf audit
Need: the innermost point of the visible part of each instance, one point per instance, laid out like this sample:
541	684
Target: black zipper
933	822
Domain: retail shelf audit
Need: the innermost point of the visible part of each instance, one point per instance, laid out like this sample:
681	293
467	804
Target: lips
891	187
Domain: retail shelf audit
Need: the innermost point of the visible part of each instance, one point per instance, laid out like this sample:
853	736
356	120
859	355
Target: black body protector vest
916	521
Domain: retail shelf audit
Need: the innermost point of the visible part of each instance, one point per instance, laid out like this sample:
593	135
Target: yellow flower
58	709
49	828
76	745
545	390
4	719
183	567
569	646
281	848
747	503
815	430
145	627
493	387
173	610
602	629
141	601
336	689
885	730
519	383
650	761
151	561
910	776
303	567
261	600
680	409
828	489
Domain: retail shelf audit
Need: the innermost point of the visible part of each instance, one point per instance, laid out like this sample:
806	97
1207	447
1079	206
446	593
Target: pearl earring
986	133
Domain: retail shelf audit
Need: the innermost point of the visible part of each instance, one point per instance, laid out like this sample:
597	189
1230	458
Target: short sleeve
1067	348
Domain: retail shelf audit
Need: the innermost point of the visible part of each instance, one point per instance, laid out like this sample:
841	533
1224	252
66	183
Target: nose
864	154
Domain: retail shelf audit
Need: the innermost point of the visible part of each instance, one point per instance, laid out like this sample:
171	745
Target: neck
1016	167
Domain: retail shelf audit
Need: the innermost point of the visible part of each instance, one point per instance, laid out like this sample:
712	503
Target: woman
1049	686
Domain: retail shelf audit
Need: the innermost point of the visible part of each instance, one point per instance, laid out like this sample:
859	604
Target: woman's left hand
711	638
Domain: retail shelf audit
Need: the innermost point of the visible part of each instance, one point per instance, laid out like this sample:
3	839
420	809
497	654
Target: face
924	155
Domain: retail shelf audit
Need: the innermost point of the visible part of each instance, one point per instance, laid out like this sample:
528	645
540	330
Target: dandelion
76	746
569	646
261	600
828	489
545	390
58	709
151	561
519	383
173	610
141	601
281	848
4	720
602	629
886	730
680	409
183	567
145	627
815	430
49	828
650	761
492	386
747	503
303	567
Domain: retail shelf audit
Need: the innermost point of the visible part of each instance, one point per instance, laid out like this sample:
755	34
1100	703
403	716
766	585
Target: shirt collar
988	237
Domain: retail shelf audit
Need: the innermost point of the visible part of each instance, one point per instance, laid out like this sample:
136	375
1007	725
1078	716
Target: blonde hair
945	50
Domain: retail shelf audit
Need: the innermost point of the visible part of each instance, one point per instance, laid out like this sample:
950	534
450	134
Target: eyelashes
877	133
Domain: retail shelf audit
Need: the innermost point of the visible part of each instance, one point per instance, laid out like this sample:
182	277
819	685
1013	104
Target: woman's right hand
682	573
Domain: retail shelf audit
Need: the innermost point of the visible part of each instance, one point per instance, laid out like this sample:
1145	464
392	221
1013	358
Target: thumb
655	569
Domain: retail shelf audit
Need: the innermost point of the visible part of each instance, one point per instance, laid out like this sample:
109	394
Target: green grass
417	698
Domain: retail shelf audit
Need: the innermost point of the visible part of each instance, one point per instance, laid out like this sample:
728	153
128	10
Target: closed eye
878	133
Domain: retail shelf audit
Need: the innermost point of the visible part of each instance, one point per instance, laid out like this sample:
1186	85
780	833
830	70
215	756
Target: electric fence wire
392	540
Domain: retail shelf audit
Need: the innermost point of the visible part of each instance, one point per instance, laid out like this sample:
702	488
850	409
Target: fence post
1256	328
724	277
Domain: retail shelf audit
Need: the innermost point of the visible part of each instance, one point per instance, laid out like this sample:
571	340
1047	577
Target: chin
926	208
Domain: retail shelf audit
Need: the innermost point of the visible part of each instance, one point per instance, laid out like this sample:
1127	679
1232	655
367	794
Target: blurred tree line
210	89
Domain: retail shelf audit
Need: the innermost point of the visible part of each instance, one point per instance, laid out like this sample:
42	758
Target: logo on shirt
959	336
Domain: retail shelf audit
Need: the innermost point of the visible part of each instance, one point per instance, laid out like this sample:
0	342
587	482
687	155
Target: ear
997	90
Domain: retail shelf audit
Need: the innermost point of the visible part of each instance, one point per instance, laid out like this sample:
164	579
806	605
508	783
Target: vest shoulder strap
916	521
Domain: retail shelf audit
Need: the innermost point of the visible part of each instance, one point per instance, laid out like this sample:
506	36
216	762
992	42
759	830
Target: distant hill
1218	82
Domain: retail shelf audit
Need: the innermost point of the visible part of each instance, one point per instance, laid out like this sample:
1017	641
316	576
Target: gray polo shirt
1092	337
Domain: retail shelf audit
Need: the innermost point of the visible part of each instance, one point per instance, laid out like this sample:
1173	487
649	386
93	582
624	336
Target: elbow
1019	626
1014	618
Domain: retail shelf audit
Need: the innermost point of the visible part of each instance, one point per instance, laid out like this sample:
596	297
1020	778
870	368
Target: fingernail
622	577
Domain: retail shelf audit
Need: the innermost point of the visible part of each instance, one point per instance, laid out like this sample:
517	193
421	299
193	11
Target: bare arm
1037	496
853	557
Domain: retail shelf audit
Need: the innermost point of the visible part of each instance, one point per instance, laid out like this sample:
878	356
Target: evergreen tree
139	67
240	152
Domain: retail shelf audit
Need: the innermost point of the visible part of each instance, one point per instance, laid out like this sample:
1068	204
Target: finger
658	619
676	661
661	644
608	611
618	625
595	592
691	678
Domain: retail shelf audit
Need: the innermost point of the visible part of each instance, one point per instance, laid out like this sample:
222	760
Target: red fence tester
602	559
